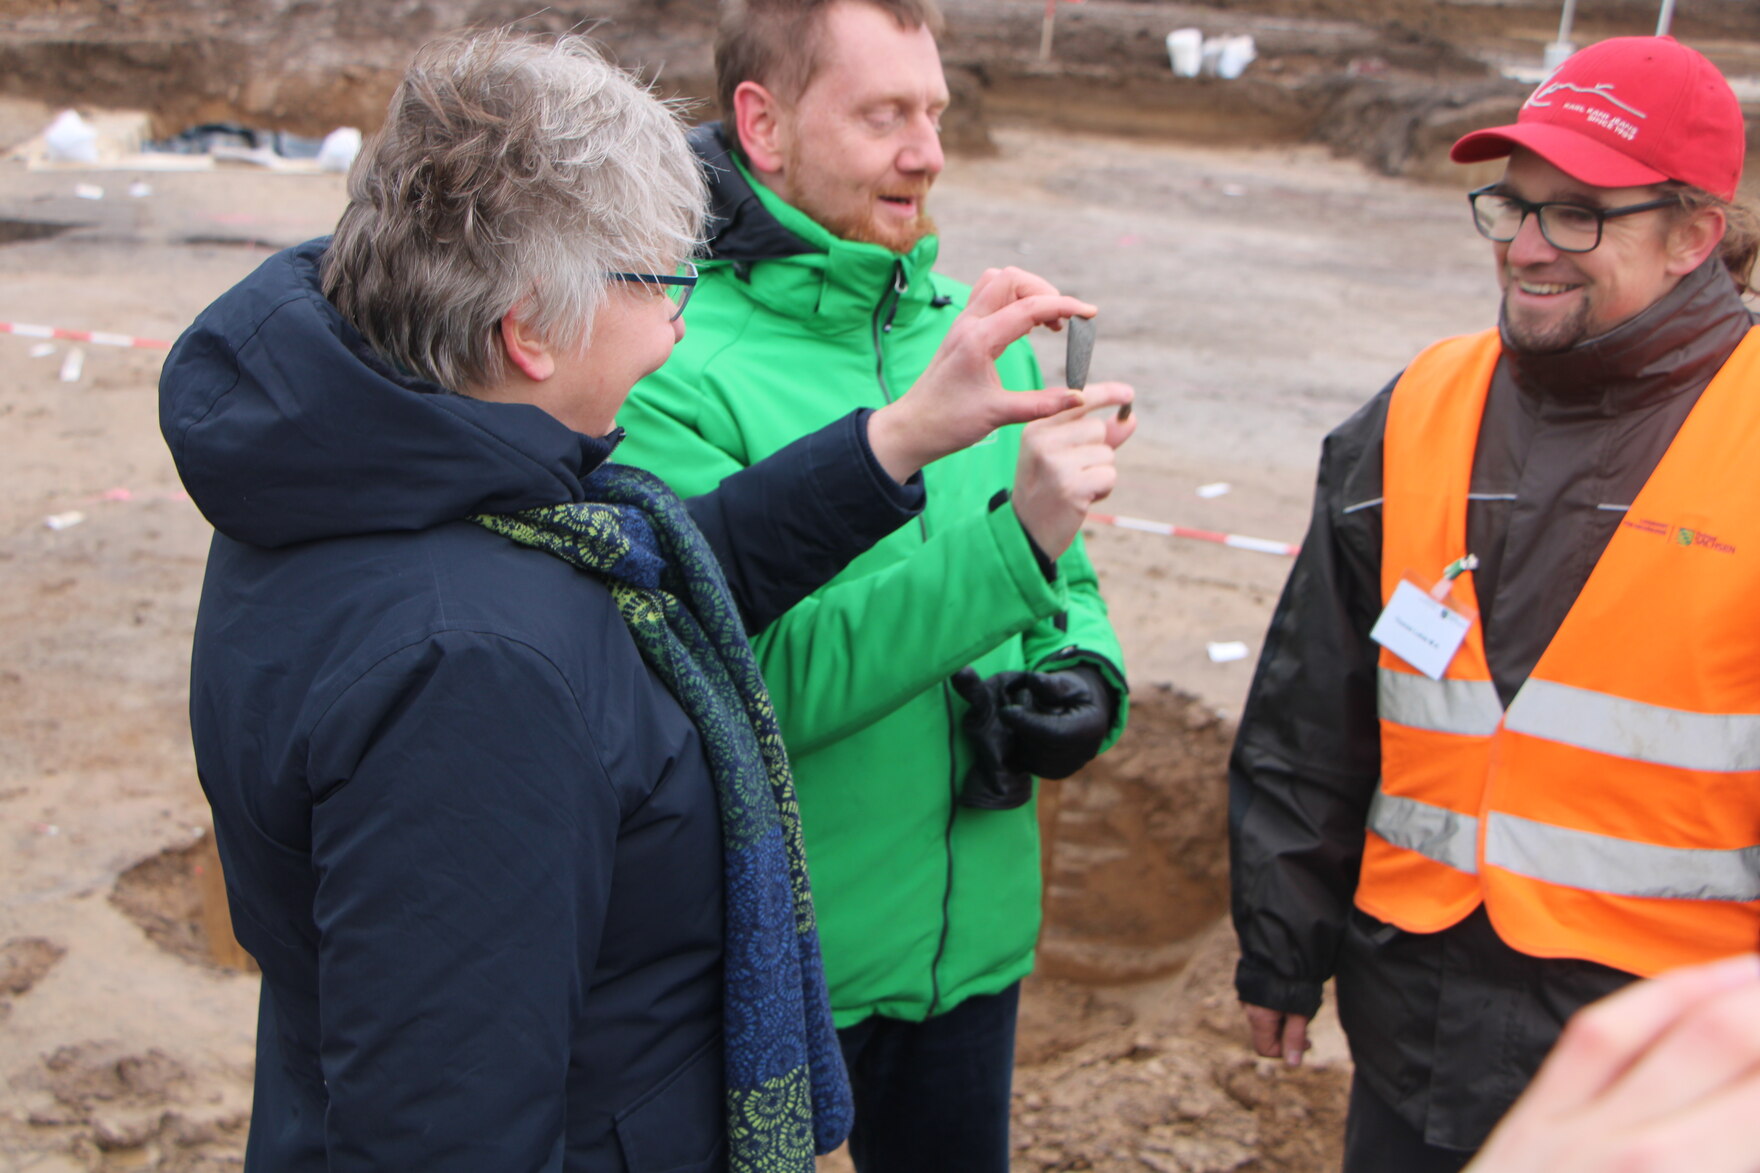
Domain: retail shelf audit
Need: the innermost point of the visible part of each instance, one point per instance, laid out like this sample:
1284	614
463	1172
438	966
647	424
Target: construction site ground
1259	274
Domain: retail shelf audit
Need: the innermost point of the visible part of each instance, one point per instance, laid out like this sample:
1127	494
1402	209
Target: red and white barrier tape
120	494
1238	541
69	518
96	337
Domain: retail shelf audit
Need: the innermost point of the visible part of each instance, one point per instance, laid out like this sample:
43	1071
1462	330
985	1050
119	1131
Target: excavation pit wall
1134	847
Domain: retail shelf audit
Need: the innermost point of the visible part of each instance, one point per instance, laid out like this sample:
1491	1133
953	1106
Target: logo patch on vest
1699	539
1684	536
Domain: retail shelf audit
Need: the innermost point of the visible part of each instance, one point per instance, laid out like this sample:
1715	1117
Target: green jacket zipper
884	313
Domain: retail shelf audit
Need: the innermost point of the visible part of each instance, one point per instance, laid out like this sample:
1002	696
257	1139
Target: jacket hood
740	228
287	427
795	265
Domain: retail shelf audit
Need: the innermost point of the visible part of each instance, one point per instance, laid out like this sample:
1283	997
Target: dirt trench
1133	846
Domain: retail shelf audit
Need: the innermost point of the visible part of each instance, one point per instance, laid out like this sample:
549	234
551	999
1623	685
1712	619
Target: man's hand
990	784
1057	720
1067	464
1662	1076
959	399
1277	1035
1030	724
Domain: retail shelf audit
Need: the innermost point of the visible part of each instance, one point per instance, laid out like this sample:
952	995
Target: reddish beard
872	229
851	215
866	225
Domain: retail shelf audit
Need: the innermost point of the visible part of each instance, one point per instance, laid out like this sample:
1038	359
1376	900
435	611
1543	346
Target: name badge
1421	631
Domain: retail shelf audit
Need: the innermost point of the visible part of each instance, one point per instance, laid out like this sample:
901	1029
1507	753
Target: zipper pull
900	286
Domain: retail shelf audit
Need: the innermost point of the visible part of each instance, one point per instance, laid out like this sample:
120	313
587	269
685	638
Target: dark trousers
1376	1140
933	1096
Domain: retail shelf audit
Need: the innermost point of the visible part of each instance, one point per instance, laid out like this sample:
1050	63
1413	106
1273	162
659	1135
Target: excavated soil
1133	845
23	962
1255	287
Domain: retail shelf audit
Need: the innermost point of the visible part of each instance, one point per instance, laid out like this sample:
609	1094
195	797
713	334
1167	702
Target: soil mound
108	1108
1161	1081
23	962
177	897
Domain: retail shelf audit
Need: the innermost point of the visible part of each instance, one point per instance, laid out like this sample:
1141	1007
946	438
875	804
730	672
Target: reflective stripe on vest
1722	742
1467	707
1434	832
1557	855
1579	859
1613	814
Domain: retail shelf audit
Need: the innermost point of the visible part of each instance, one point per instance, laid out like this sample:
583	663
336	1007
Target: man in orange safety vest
1502	752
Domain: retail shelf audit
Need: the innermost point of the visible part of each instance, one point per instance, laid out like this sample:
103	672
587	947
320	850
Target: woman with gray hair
503	809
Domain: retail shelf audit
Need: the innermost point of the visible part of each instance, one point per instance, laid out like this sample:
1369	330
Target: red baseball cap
1627	112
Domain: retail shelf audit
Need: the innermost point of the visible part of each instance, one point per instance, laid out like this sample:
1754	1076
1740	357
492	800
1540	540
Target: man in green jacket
923	688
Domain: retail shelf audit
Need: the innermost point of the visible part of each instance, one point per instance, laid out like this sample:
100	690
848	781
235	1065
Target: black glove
1022	724
1059	719
990	784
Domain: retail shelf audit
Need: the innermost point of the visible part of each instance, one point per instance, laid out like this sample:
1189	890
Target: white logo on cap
1603	91
1602	118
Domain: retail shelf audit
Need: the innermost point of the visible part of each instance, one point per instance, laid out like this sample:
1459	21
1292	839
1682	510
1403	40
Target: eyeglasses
1567	227
677	288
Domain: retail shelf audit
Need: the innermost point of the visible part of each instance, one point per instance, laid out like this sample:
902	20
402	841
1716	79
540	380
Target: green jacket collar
841	284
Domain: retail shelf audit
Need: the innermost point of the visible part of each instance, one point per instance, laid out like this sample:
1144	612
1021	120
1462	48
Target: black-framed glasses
1567	227
676	287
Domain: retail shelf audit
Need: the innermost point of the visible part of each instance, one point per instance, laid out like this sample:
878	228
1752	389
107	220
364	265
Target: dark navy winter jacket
470	837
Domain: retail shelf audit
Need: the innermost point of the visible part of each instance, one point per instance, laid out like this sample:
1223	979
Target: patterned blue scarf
787	1093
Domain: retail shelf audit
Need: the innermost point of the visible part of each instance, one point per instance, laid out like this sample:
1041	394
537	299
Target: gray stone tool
1081	349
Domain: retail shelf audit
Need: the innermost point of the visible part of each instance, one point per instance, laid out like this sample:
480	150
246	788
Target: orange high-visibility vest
1613	812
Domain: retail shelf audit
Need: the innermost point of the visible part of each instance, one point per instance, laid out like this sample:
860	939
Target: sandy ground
1255	297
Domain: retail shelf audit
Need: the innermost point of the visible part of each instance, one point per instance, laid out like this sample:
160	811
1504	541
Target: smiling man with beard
1564	792
923	689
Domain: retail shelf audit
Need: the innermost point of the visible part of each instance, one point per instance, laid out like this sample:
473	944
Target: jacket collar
287	427
1675	346
792	264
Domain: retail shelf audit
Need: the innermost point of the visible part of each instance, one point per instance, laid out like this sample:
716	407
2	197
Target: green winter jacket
922	903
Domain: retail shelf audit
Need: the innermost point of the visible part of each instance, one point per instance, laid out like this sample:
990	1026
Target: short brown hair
779	43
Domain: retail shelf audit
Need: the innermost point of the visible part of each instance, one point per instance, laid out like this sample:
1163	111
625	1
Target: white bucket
71	139
339	148
1185	51
1235	55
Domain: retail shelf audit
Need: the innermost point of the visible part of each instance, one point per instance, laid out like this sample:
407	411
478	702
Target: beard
848	211
869	228
1524	334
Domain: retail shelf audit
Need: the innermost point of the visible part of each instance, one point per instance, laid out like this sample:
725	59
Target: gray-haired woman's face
584	386
632	336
